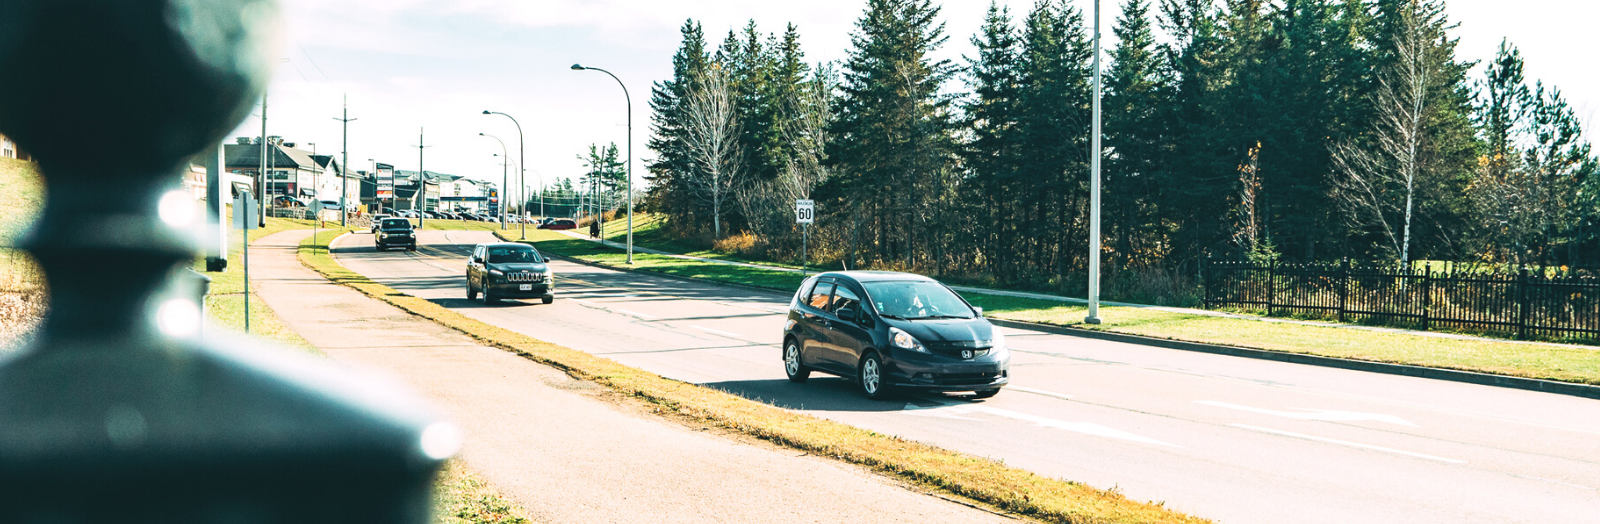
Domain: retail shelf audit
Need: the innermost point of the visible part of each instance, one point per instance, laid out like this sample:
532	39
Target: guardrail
1543	303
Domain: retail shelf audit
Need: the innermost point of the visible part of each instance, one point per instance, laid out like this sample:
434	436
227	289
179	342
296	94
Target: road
1232	439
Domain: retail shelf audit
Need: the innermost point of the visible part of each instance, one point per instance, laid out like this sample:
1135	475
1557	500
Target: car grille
524	277
961	379
953	349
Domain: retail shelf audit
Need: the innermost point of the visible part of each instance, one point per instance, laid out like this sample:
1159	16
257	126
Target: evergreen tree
1055	105
994	151
673	163
894	152
1135	91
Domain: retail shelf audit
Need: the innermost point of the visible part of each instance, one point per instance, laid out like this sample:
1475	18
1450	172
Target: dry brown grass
982	480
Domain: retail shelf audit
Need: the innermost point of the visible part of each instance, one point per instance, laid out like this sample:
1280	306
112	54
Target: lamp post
1094	184
629	99
344	165
505	181
522	155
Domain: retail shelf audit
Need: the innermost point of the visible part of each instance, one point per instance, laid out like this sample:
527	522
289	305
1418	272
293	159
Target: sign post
805	214
244	211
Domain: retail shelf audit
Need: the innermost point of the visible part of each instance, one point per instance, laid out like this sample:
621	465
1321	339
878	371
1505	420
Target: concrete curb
1469	377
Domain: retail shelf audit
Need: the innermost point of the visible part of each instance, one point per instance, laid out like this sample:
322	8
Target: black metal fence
1542	303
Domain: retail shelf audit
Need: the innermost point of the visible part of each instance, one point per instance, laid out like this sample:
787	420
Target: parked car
890	331
560	223
377	221
509	270
286	201
394	232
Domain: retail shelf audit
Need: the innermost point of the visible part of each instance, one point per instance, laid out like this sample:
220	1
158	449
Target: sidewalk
562	450
1073	300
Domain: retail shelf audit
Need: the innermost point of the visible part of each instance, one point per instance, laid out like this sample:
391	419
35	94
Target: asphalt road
1232	439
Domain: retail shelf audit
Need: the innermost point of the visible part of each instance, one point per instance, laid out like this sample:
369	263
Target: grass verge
982	480
463	498
1564	363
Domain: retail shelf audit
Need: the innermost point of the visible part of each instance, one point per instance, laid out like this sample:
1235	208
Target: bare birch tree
711	136
1378	182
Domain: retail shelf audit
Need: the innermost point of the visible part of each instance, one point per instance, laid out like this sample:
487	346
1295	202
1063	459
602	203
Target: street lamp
522	154
629	99
505	181
1094	184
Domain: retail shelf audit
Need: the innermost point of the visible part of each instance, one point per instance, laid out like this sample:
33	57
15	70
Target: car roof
876	276
506	244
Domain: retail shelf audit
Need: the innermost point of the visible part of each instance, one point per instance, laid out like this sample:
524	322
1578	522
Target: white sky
439	64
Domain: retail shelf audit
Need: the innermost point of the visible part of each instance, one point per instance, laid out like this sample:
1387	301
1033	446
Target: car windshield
513	255
396	223
916	299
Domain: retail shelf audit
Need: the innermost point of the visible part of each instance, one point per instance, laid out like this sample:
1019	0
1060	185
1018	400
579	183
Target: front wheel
792	367
549	299
869	375
487	298
472	292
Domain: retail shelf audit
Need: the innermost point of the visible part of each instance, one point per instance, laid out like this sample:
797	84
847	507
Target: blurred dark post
117	411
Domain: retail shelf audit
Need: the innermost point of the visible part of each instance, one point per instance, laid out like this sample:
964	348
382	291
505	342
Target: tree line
1300	130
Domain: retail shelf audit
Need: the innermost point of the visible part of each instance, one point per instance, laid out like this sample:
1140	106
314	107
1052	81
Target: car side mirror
848	315
978	309
477	259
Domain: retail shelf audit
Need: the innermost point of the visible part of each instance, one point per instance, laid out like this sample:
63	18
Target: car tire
985	393
412	247
472	292
549	298
869	376
792	362
488	298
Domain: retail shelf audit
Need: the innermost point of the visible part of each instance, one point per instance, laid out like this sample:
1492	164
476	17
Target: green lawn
1519	359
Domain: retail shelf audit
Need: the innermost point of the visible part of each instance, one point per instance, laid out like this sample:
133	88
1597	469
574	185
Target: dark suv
509	270
889	331
396	232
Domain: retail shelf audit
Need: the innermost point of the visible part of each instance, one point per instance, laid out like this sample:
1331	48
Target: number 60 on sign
804	212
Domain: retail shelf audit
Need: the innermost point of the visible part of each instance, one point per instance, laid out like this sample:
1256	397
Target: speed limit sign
804	212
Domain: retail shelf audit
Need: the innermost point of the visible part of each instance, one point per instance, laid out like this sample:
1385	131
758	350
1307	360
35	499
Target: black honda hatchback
889	331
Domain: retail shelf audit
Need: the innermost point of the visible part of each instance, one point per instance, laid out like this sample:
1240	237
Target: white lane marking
635	313
1061	396
1326	415
724	333
1348	443
1087	428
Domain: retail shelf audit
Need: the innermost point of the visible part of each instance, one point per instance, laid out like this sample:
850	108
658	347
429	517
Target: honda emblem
966	353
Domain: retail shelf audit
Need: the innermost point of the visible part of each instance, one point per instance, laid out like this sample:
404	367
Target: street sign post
805	214
244	213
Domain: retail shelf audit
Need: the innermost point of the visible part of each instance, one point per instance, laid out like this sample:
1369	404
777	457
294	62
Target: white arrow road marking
1326	415
1347	443
1087	428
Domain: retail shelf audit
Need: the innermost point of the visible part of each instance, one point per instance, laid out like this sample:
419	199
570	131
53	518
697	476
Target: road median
982	481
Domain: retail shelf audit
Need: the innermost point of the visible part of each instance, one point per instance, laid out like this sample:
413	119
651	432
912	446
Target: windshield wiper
896	317
945	317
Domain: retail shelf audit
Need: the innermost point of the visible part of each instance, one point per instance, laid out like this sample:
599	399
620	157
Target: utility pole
261	181
344	184
422	182
1094	185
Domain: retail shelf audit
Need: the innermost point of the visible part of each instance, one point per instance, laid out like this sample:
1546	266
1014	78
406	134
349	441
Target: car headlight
789	326
549	273
496	272
999	340
904	340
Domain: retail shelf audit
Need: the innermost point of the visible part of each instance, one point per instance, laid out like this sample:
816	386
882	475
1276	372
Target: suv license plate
525	287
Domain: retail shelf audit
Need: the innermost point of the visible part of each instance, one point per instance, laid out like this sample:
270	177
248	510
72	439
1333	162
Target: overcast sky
438	64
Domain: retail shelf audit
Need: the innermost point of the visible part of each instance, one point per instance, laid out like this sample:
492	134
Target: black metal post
116	411
1344	287
1522	303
